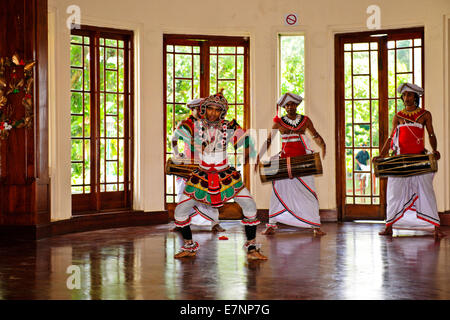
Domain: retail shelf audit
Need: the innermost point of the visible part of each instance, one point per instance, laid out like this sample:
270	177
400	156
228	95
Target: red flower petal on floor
223	238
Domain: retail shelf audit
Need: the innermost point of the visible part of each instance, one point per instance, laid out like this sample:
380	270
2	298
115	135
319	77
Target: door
196	67
370	66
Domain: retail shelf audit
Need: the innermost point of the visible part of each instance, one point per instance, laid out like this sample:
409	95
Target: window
292	66
101	119
370	66
196	67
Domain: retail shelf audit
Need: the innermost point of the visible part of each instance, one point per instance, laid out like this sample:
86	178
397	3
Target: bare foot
386	232
318	232
438	234
185	254
217	228
255	255
269	231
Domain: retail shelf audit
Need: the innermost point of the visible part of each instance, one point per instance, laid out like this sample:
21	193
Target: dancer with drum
215	181
293	201
202	214
411	201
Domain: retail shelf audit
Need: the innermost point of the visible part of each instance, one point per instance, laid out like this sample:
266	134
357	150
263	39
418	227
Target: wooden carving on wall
16	79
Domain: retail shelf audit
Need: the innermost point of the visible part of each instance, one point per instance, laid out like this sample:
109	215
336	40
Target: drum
178	168
405	165
284	168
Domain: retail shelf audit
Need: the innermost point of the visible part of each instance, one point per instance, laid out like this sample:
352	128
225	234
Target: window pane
292	68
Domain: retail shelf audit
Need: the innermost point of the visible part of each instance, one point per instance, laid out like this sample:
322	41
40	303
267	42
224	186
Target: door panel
369	68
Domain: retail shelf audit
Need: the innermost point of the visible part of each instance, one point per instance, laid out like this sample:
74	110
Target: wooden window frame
97	200
383	94
205	42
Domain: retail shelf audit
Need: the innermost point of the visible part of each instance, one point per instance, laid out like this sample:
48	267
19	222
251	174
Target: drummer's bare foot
269	231
217	228
438	234
255	255
318	232
386	232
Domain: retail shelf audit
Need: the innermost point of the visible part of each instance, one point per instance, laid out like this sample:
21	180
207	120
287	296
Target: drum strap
289	168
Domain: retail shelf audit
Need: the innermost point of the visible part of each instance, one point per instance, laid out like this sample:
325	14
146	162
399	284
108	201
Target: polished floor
351	262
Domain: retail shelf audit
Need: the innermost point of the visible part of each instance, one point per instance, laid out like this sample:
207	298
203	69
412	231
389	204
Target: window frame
97	200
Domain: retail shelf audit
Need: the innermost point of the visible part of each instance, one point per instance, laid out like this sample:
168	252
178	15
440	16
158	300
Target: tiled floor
351	262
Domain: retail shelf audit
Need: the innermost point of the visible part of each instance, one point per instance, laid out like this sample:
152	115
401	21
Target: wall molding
83	223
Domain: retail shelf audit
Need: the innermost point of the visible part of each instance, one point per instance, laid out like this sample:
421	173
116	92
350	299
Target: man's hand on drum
437	155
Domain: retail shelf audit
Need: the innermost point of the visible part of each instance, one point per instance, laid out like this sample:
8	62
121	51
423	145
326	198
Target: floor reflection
351	262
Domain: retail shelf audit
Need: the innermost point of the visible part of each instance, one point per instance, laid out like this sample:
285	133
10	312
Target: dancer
294	201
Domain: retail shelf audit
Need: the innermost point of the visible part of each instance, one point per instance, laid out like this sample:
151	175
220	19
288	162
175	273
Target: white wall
261	20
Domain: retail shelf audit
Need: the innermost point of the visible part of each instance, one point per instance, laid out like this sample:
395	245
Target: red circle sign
291	19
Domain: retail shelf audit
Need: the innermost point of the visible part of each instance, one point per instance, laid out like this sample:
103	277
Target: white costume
411	202
294	201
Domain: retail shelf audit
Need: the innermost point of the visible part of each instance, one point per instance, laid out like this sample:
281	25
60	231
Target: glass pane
292	66
121	161
76	125
76	77
362	135
87	116
392	112
77	190
87	161
229	91
360	46
87	79
212	74
404	43
361	62
418	66
76	103
349	171
183	49
183	66
111	81
402	78
391	74
227	67
375	124
349	200
169	79
111	58
111	149
374	74
404	60
361	87
348	75
77	173
240	79
76	39
111	42
227	49
183	91
77	150
121	71
362	111
347	47
362	200
76	54
111	103
417	42
121	116
111	171
111	126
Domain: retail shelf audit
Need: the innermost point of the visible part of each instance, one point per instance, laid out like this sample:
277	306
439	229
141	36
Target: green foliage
292	66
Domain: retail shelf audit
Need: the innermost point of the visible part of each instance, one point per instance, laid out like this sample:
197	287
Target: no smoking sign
291	19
